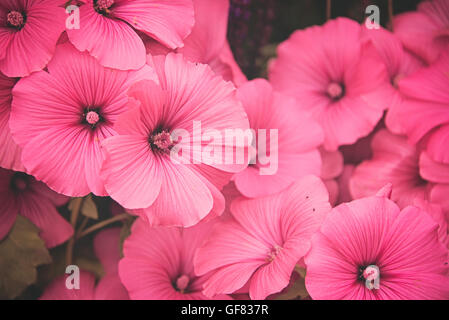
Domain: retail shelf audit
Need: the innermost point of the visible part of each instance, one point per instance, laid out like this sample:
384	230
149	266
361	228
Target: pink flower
10	152
424	32
140	172
292	154
336	77
331	168
158	262
438	174
106	246
207	42
22	194
369	249
394	161
59	118
263	242
108	28
425	113
400	64
29	31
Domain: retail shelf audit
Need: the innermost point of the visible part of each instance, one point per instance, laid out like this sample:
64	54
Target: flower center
92	117
162	140
396	79
15	19
370	275
335	90
272	254
102	6
182	283
19	181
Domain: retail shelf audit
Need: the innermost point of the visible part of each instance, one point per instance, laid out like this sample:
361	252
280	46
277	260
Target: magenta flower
369	249
59	118
264	241
400	63
22	194
394	161
332	163
339	79
106	246
207	42
10	152
29	31
424	114
424	32
139	171
438	174
158	262
294	151
108	28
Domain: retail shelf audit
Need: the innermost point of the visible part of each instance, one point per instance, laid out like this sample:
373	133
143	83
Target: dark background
257	26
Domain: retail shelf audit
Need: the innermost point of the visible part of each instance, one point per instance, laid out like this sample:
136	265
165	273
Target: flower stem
102	224
390	13
328	10
73	219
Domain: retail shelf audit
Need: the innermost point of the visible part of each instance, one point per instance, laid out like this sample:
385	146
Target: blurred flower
424	114
341	81
106	246
10	152
22	194
158	262
424	32
292	155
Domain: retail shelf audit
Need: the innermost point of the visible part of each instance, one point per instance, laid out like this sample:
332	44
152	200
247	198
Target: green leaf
89	209
21	252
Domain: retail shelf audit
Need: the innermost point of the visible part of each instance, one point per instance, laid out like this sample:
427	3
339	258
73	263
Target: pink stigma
371	273
15	19
182	283
20	184
273	253
162	140
92	117
335	90
103	5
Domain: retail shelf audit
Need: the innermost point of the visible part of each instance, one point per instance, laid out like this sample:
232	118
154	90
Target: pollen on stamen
335	90
92	118
103	5
273	253
20	184
162	140
182	283
15	19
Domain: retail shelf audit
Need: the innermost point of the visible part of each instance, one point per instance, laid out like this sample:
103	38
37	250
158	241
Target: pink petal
208	35
113	42
131	172
10	153
168	22
31	48
107	249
